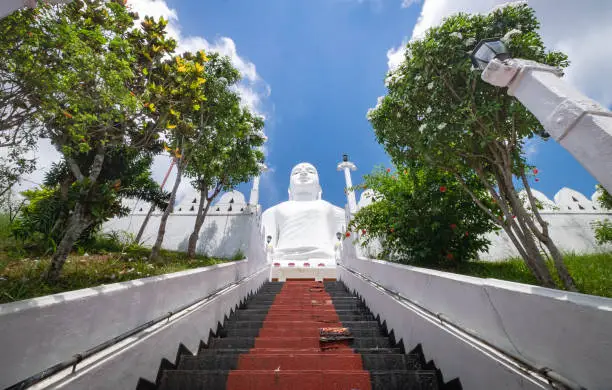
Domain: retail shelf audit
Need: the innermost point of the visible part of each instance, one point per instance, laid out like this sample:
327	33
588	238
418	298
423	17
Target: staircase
272	342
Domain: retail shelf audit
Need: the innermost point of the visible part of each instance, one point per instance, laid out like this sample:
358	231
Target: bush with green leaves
43	219
421	216
603	229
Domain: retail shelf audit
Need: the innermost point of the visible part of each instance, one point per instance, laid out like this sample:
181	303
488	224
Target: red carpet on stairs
287	352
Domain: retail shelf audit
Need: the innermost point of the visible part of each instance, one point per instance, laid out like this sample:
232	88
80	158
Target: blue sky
325	61
314	67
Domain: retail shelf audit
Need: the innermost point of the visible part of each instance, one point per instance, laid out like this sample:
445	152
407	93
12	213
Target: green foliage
421	215
126	174
227	154
603	231
592	272
36	223
99	89
605	199
438	109
108	258
440	113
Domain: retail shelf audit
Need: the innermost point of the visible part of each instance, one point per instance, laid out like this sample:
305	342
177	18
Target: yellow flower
174	113
171	126
202	54
201	80
181	69
166	148
199	67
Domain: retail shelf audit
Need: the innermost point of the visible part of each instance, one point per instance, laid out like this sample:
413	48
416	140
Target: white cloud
580	29
408	3
395	56
252	88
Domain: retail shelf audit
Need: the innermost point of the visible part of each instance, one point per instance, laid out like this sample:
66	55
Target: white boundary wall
570	217
571	232
38	333
569	333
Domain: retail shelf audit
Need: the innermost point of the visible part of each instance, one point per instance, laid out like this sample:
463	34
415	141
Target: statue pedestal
313	269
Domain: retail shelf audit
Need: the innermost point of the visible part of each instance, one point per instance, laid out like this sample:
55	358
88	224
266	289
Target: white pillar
347	167
579	124
254	198
7	7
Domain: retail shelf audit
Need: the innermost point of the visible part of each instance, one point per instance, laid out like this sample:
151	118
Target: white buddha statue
304	227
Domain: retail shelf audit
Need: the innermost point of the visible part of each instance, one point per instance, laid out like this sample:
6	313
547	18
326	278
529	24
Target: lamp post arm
579	124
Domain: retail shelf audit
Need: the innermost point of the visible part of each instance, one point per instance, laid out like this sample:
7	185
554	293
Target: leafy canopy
437	108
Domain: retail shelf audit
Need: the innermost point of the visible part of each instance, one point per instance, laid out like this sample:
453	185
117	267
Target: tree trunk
144	224
524	230
77	223
544	237
562	271
152	208
202	211
164	218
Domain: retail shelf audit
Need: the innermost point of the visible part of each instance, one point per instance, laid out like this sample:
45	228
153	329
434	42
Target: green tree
440	112
421	215
18	133
187	122
93	91
230	157
227	152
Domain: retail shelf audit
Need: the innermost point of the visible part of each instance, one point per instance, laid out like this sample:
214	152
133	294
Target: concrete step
298	380
288	343
388	361
296	331
275	351
305	361
404	380
265	380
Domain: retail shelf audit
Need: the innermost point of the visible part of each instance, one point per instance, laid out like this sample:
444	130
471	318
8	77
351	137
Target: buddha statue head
304	183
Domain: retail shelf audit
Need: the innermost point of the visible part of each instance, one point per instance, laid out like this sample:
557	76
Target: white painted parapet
570	217
41	332
225	231
569	333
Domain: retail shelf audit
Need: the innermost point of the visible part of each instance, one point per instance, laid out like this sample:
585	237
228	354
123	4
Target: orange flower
67	114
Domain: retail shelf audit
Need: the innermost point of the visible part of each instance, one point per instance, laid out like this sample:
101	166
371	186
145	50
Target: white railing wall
569	333
41	332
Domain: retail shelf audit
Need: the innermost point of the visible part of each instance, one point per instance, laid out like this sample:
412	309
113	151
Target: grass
105	260
591	272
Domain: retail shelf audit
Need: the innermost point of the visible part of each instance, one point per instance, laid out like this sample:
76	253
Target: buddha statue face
304	183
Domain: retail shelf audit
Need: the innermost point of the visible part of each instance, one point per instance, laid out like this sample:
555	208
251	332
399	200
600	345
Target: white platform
317	269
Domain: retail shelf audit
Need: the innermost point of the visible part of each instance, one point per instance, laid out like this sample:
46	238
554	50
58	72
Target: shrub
421	215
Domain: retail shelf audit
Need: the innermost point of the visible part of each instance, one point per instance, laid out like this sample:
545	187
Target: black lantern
339	236
268	239
488	49
345	157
